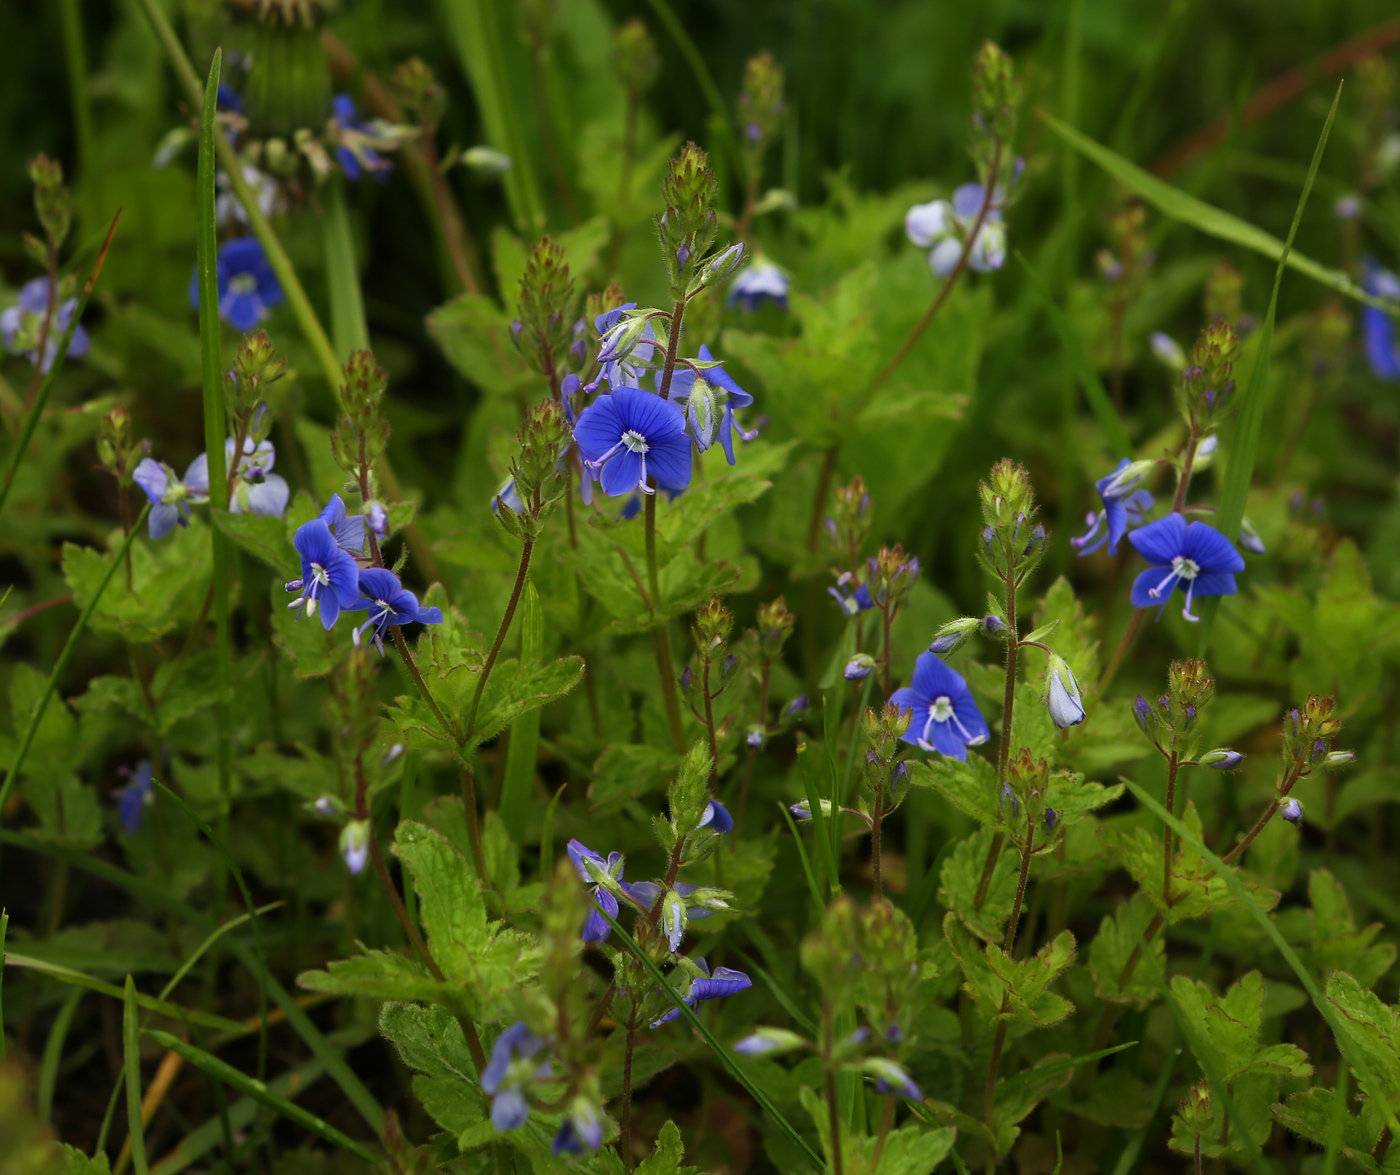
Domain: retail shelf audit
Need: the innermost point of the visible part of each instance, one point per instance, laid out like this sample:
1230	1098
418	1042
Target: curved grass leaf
1245	446
721	1053
62	663
348	329
262	1093
53	1052
1340	1028
523	746
131	1047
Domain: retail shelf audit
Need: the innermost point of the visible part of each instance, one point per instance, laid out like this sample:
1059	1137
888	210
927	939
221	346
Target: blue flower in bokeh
724	981
1195	557
21	323
761	282
171	497
942	227
590	866
133	799
945	716
354	151
1378	327
505	1076
1124	505
248	289
254	489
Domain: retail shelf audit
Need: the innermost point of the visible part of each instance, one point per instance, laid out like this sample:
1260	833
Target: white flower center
635	441
1188	569
243	283
942	709
320	575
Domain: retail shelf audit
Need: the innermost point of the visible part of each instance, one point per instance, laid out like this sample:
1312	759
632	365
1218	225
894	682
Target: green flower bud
52	201
635	57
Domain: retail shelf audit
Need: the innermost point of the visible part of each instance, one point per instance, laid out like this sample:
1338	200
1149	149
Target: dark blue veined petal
934	679
1211	550
668	462
1160	542
1214	585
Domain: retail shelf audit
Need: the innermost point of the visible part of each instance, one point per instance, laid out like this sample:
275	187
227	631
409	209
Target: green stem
522	572
832	1111
76	53
625	1141
1173	766
661	637
62	663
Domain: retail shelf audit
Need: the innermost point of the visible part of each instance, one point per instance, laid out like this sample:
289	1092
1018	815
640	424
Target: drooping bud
1222	759
859	667
1292	811
951	636
768	1042
354	845
1062	694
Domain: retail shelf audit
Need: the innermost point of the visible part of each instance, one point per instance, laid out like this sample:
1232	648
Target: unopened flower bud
354	845
1062	695
1222	759
1292	811
859	667
1339	758
796	706
952	635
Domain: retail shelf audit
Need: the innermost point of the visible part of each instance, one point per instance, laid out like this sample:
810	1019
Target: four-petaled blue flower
353	152
255	489
1196	558
503	1078
945	717
349	529
709	399
943	227
852	602
712	986
595	928
389	602
1377	327
248	289
21	323
631	438
330	578
133	798
762	281
1124	505
170	497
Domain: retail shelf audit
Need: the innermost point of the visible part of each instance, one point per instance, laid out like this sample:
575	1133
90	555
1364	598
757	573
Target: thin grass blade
131	1047
260	1093
348	329
1244	448
62	663
523	744
721	1053
1212	221
813	886
53	1052
4	926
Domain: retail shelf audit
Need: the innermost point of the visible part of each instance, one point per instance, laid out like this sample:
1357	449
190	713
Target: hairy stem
1009	690
661	637
710	726
1173	766
625	1141
1284	788
877	818
522	572
1184	482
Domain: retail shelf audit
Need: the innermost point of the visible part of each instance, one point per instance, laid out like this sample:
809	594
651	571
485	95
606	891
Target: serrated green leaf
1120	935
961	876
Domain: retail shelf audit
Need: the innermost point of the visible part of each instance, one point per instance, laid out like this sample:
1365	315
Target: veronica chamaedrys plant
1194	557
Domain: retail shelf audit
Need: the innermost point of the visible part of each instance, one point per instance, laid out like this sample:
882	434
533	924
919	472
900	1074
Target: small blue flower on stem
503	1077
626	351
1124	506
255	489
724	981
1195	557
595	928
891	1078
20	325
170	498
943	227
945	717
133	799
761	282
631	438
389	602
709	399
349	529
853	602
248	289
1292	811
330	577
1378	327
581	1130
353	152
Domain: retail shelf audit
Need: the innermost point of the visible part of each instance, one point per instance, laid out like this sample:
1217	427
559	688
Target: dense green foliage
732	754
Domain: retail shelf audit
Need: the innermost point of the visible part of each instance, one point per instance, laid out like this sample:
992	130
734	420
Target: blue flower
135	796
170	497
1292	811
1124	505
255	490
595	928
1378	327
1195	557
762	281
581	1130
852	602
503	1077
349	529
723	982
330	577
354	152
891	1078
943	227
627	350
354	845
709	399
248	288
630	437
21	323
389	602
716	817
945	717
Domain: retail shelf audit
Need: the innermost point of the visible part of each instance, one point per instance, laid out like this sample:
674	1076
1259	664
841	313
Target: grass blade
62	663
348	329
53	1052
812	883
820	837
260	1093
215	419
1239	471
204	1138
474	30
1339	1027
547	834
789	1004
31	419
353	1088
150	1003
721	1053
1212	221
131	1047
4	926
519	780
1094	390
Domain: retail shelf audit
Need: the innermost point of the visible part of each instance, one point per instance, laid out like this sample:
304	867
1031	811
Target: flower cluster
22	324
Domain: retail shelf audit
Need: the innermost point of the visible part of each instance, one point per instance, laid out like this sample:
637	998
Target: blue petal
965	707
947	741
1214	585
510	1110
268	498
668	462
1212	552
622	474
933	679
1143	585
655	418
599	428
1160	542
161	521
